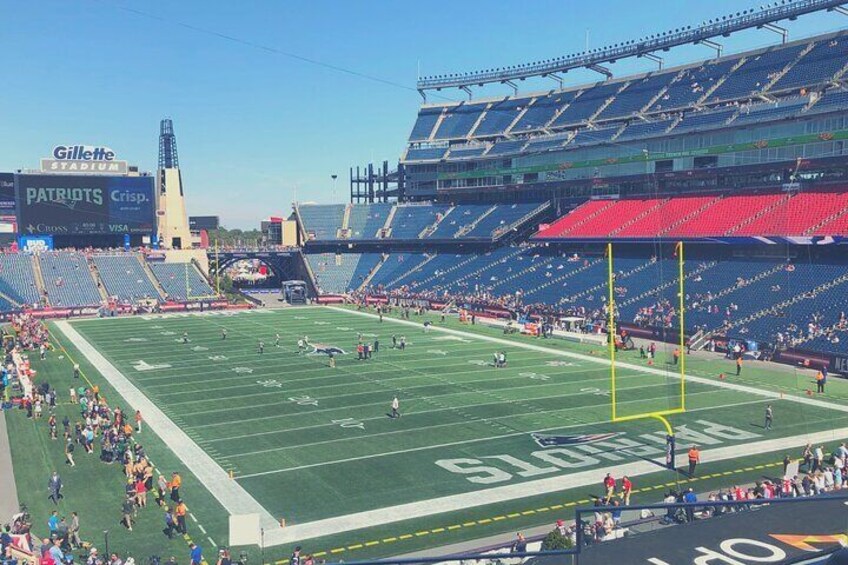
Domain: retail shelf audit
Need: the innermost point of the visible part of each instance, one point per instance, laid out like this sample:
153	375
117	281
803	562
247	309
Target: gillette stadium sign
83	159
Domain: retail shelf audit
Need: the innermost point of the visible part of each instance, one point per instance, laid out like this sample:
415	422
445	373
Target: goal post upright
611	328
682	313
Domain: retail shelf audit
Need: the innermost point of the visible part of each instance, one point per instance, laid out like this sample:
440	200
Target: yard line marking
604	361
423	398
232	496
464	442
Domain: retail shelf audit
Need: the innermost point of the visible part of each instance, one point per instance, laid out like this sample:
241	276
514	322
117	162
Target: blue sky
254	126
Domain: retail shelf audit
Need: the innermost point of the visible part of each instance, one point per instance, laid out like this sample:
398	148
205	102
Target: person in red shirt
609	487
626	489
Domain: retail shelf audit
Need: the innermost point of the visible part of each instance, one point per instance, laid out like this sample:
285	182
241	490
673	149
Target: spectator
196	554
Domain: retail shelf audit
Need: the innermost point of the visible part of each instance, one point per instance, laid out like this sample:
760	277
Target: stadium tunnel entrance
255	270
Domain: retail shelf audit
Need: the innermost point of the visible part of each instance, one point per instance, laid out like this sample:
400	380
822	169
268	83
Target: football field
316	445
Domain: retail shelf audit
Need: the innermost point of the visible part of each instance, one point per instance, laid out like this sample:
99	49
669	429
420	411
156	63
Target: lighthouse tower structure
173	220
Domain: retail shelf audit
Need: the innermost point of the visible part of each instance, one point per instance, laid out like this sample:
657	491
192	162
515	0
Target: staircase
559	112
783	200
414	270
149	272
468	227
662	91
39	277
619	132
473	274
590	217
701	268
480	119
517	119
791	64
719	82
432	227
310	272
8	299
637	218
344	231
693	214
605	284
607	102
454	267
386	231
438	124
839	74
95	274
566	276
499	231
542	264
787	303
367	280
758	277
827	220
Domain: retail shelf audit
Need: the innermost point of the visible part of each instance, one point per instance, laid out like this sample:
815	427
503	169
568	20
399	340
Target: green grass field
315	444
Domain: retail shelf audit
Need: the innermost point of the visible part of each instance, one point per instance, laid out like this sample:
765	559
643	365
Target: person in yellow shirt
175	484
180	513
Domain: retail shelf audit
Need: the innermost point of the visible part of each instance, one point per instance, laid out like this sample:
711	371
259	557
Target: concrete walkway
9	505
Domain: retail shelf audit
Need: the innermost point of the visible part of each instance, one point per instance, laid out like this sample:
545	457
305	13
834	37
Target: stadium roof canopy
764	18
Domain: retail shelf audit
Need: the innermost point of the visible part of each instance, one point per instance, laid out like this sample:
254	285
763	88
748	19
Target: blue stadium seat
543	111
367	219
636	96
500	116
692	85
816	67
459	120
124	277
639	129
17	279
68	280
427	118
425	153
182	281
586	104
322	220
755	73
410	220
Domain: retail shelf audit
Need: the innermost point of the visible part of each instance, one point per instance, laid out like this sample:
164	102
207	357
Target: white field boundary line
650	370
356	521
232	496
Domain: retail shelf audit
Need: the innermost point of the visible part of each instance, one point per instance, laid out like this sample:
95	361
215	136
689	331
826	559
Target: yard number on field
304	400
270	383
142	365
350	423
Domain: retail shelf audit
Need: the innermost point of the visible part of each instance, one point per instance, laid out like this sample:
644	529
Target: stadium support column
173	220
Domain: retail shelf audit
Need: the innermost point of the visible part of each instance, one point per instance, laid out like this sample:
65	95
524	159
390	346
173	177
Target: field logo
321	349
548	440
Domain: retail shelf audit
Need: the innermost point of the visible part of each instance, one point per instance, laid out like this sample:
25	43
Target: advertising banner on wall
7	193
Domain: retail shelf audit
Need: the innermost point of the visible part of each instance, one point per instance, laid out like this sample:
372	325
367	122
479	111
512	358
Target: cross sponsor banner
67	204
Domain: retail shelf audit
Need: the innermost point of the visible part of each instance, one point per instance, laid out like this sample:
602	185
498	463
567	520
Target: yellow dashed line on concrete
512	515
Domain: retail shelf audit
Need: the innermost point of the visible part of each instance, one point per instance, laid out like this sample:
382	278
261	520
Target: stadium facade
765	118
